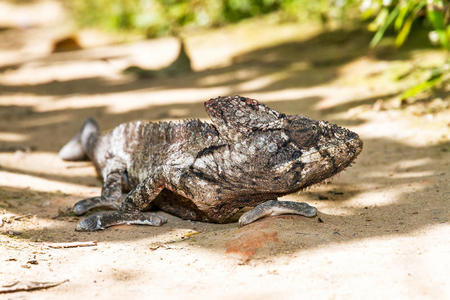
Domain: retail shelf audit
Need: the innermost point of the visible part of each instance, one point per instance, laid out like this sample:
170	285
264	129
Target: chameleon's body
247	156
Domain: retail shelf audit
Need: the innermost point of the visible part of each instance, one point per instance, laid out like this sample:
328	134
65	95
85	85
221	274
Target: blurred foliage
384	17
435	77
161	17
400	16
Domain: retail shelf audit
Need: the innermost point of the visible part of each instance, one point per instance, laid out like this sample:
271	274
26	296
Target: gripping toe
79	209
91	223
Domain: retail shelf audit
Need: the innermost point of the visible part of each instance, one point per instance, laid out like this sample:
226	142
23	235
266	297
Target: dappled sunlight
245	37
12	137
74	70
25	14
188	95
261	82
223	78
106	62
44	121
431	132
24	181
21	100
50	166
404	175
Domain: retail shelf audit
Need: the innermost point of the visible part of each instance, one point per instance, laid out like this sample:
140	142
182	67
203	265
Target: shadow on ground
422	205
303	64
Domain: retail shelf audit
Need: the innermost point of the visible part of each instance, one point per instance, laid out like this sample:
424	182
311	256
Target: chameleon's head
269	152
321	150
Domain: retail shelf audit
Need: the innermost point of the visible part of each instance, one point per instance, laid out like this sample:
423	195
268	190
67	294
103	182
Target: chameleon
247	156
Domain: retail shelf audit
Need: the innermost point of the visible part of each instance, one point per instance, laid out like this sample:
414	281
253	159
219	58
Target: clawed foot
274	208
103	220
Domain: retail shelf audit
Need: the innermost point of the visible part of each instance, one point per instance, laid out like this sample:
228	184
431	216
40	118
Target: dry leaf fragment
191	233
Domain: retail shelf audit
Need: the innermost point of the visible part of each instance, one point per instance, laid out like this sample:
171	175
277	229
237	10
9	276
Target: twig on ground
73	245
17	218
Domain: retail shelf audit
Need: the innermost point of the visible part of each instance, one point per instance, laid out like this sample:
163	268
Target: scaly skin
249	156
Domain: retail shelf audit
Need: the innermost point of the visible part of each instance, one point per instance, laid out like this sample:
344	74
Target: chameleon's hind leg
111	195
131	208
274	208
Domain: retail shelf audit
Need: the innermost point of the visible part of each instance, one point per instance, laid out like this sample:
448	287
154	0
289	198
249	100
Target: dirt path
384	229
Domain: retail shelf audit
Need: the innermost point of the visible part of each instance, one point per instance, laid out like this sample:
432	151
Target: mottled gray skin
248	156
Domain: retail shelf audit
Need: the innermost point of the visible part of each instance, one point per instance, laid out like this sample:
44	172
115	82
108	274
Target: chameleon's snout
357	144
346	152
352	142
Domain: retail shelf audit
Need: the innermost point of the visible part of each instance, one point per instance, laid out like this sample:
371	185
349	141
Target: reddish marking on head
250	101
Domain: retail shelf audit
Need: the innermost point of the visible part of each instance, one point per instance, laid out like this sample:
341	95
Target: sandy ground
384	223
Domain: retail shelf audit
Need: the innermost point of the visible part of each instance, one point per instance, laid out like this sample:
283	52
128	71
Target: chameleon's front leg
130	211
275	208
111	195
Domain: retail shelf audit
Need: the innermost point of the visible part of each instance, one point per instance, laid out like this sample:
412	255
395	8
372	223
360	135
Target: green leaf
436	16
406	28
379	20
404	11
433	80
369	13
443	38
380	33
404	32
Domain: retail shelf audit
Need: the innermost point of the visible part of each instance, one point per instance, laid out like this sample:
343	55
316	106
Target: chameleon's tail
81	146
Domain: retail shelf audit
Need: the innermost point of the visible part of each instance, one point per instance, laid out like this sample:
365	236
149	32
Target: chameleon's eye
314	127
